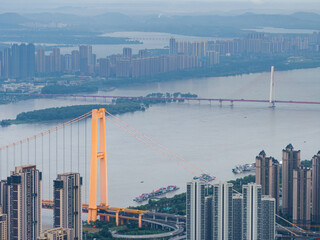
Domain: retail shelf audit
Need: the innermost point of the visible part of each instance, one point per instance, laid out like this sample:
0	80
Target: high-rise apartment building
56	59
24	203
104	67
172	46
208	217
40	61
127	53
15	61
31	60
316	188
57	234
195	210
68	203
301	196
268	212
237	216
4	196
75	55
3	226
222	212
268	176
85	59
290	162
251	212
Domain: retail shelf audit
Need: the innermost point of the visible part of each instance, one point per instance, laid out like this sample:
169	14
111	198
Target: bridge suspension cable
157	143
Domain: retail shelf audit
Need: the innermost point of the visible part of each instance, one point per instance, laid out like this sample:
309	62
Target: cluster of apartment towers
251	215
21	206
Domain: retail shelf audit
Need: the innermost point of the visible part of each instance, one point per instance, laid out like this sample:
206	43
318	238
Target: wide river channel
213	137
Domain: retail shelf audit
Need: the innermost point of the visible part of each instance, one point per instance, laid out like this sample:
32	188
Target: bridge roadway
146	216
176	230
220	100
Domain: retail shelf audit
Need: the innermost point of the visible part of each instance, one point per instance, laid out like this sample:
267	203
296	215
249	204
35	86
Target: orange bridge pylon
98	119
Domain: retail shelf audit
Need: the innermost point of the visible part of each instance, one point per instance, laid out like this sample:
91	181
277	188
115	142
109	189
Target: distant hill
198	25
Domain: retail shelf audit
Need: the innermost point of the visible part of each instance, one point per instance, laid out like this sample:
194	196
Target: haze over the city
165	7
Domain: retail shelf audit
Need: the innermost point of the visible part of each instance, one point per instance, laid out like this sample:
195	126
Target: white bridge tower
272	95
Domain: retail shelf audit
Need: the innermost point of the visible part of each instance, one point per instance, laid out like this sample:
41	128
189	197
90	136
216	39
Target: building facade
222	212
24	203
3	226
316	188
268	176
68	203
290	162
237	216
301	196
195	210
268	218
208	217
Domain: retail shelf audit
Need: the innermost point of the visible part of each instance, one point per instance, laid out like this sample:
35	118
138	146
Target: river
213	137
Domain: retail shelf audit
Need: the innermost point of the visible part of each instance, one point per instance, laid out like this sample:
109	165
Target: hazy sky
159	6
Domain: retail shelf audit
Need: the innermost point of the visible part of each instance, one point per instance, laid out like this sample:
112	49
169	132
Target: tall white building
196	210
222	212
251	212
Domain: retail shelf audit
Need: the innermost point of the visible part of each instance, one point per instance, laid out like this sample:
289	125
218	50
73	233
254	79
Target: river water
213	137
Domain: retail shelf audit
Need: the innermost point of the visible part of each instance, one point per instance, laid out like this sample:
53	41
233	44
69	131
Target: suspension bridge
54	151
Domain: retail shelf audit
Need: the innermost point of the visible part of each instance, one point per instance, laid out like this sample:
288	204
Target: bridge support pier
220	102
231	103
140	221
117	218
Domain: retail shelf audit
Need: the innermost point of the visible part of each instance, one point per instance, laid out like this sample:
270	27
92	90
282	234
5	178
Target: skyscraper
3	226
4	196
40	61
195	210
15	61
127	53
268	218
208	217
302	195
57	234
85	59
222	212
56	59
24	203
23	61
237	216
316	188
173	46
31	60
268	176
251	212
290	162
68	203
75	60
6	63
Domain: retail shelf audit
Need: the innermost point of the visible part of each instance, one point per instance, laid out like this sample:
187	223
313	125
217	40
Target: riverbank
227	67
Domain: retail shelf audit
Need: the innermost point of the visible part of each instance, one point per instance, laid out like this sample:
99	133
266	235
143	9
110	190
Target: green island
119	106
